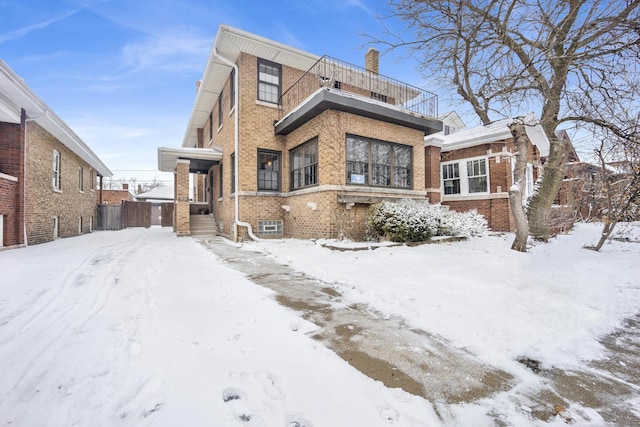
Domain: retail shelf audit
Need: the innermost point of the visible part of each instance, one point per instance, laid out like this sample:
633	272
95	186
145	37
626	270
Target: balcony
334	84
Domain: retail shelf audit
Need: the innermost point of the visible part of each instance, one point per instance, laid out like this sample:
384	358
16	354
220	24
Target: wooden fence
109	217
132	214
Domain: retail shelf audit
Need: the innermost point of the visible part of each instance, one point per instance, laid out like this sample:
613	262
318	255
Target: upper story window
220	109
448	130
211	125
464	177
268	170
92	175
232	89
304	165
80	179
56	170
269	81
380	163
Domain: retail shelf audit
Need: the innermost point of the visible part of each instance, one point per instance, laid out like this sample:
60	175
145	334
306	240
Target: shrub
411	220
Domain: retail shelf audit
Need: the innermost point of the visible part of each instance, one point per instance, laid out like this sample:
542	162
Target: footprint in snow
390	415
297	420
236	400
270	385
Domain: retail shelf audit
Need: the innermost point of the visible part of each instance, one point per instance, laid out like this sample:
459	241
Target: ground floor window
379	163
270	228
233	173
464	177
304	164
268	170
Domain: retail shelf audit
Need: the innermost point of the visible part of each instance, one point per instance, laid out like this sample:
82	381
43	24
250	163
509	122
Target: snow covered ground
138	327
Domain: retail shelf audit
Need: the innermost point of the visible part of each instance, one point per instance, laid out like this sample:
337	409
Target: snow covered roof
496	131
15	95
158	193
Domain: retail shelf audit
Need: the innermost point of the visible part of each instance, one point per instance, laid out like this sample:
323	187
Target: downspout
236	75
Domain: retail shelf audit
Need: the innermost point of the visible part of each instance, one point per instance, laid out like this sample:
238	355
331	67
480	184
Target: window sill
57	190
233	110
220	128
80	191
267	104
220	199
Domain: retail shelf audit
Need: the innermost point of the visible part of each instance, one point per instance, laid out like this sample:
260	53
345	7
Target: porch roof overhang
335	99
200	159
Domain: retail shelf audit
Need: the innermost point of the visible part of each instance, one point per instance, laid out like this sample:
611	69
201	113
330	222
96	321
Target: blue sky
122	73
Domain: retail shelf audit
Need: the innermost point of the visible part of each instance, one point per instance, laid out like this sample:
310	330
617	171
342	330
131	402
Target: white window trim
56	170
464	179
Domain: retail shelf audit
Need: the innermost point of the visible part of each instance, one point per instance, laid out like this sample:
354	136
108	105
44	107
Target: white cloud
178	50
35	27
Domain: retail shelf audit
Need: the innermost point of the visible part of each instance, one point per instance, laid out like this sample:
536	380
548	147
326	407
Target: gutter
236	75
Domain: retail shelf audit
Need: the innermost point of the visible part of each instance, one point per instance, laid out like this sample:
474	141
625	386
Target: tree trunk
553	174
606	232
522	145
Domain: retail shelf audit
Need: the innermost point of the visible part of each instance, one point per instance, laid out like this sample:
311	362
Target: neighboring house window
477	176
220	115
451	178
379	163
465	177
268	170
304	164
233	173
56	170
92	176
232	89
269	81
80	179
448	130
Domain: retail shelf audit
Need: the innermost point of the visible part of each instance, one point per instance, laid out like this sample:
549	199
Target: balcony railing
333	73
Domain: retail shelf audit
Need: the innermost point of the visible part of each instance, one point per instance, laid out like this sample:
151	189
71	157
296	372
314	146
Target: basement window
270	228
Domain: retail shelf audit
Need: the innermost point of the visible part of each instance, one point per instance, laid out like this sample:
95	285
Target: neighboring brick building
476	167
285	143
47	173
115	197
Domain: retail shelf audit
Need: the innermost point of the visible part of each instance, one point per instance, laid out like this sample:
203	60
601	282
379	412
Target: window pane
452	186
357	161
478	185
268	171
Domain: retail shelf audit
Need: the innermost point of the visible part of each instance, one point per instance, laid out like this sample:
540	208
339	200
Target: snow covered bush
414	221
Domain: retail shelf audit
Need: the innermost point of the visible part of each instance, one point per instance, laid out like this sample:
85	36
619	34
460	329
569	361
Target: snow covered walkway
138	327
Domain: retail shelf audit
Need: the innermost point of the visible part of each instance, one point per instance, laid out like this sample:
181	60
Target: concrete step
202	225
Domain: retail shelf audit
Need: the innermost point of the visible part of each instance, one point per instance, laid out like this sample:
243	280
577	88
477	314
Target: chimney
125	187
139	189
198	83
371	60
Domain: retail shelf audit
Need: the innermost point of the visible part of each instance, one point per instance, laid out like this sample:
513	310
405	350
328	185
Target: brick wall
314	211
181	212
12	185
114	197
43	202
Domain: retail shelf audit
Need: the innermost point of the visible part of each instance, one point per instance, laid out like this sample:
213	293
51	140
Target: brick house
475	167
115	197
282	142
47	173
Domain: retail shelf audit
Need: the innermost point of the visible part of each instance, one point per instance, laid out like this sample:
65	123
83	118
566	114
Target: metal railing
334	73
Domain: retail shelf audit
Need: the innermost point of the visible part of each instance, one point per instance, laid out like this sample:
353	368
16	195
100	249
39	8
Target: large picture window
304	164
379	163
268	170
464	177
269	81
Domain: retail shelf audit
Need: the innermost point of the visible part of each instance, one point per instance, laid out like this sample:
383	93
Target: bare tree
620	163
571	61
